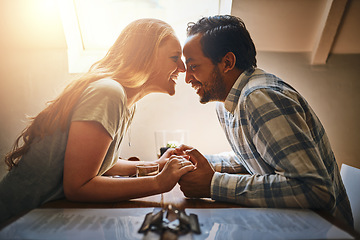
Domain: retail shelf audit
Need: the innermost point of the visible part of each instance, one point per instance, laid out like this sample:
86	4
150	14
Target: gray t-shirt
38	178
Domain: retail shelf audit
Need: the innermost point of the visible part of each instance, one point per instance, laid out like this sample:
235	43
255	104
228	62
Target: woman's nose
181	66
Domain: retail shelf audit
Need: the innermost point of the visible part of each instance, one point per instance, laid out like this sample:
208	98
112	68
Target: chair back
351	179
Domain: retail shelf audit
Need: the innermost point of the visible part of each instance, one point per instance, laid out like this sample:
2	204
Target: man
275	135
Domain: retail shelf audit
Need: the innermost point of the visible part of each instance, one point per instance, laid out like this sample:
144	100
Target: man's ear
228	62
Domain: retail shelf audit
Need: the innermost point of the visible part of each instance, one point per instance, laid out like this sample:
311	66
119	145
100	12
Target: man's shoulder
261	80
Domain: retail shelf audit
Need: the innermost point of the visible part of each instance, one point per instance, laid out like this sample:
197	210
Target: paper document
123	224
265	223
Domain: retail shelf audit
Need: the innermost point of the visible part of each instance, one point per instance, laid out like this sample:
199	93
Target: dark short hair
222	34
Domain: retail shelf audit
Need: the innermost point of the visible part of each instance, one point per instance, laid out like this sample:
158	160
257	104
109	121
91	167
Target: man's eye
192	67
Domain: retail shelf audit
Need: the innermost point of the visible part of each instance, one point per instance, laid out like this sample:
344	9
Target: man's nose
188	77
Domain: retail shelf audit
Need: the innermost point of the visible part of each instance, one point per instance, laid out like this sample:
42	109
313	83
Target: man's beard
214	90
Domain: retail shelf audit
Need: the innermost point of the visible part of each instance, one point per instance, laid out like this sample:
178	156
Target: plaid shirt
280	141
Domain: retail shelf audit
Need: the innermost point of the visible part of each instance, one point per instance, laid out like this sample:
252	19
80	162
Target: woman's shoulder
108	87
107	84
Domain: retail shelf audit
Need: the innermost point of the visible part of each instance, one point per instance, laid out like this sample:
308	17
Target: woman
70	147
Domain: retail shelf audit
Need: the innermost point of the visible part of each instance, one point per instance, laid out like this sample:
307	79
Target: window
92	26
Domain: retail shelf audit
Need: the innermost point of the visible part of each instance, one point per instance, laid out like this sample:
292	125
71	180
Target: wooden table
177	199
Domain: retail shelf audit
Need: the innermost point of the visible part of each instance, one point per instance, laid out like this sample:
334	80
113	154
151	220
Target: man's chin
207	98
201	96
203	100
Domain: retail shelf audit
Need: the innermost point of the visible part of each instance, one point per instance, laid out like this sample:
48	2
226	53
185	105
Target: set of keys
169	223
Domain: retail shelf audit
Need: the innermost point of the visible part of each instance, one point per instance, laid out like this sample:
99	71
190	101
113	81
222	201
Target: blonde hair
129	61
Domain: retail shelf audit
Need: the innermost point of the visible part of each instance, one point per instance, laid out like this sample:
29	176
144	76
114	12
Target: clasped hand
195	183
187	166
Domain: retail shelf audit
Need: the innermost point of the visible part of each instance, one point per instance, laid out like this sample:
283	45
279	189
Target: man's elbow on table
317	197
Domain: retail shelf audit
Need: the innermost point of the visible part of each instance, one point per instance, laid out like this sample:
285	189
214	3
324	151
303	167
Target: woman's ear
228	62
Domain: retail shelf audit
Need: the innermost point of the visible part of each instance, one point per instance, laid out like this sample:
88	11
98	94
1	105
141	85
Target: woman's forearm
107	189
123	168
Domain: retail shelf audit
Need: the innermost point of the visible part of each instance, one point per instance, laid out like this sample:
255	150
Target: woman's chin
171	92
171	88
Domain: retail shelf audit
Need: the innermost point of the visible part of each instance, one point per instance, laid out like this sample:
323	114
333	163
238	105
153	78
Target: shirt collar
232	98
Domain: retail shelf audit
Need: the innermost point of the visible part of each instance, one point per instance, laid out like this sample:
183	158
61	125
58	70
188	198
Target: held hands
196	183
187	166
165	158
175	167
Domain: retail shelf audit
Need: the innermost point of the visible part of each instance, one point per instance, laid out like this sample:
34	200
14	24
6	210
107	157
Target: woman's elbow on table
71	193
76	193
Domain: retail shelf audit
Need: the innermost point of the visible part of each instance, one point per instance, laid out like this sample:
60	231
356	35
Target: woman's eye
175	58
